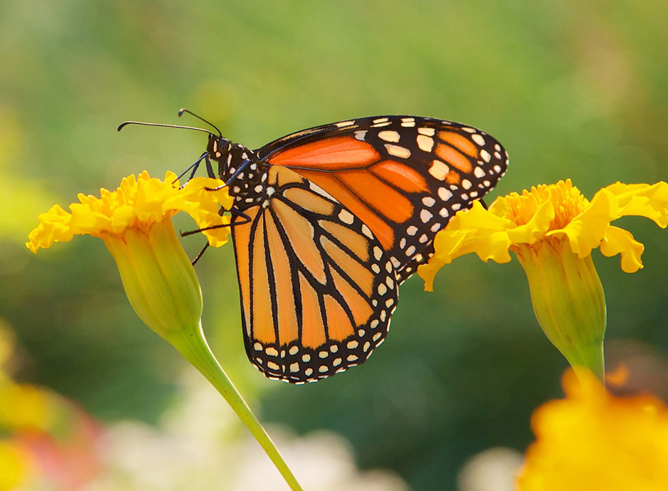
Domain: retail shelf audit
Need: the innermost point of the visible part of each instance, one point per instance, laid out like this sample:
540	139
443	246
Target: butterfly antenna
184	110
123	125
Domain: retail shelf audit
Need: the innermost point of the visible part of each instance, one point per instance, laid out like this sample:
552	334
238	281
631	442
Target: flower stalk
192	344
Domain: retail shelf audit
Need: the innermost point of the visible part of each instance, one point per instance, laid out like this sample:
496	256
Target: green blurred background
572	89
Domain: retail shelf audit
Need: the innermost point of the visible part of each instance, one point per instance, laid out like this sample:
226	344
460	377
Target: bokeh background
572	89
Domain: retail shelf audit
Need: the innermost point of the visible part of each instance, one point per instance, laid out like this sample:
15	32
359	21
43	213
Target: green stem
589	358
192	344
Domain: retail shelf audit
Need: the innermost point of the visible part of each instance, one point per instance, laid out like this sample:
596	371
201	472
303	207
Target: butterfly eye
218	147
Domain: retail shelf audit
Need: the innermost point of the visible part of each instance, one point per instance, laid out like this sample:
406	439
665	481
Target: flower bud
568	301
158	277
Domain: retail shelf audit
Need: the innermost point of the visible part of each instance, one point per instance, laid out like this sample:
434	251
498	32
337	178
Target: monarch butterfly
329	221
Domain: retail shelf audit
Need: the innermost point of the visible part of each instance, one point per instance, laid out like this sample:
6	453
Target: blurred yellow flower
6	346
594	441
14	465
552	230
25	408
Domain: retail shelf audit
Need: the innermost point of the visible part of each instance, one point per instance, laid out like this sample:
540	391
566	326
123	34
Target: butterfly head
218	147
232	158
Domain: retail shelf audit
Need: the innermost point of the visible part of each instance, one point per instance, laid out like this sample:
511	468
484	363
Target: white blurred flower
494	469
200	445
322	461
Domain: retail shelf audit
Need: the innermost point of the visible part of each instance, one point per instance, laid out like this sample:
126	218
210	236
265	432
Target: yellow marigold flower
552	230
135	223
559	211
593	440
138	203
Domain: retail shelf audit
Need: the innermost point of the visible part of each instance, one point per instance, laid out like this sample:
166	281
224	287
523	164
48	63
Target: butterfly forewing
317	287
402	176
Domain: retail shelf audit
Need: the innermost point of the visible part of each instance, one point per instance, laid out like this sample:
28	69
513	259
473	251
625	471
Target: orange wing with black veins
317	287
402	176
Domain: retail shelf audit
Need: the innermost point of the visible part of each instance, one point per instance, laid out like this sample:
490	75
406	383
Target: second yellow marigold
557	211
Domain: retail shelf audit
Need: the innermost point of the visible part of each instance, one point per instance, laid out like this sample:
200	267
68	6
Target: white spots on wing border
389	136
346	217
438	170
425	143
398	151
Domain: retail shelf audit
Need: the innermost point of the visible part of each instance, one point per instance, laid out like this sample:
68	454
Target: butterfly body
330	220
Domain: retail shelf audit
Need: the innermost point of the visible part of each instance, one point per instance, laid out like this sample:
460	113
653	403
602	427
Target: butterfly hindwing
317	287
403	176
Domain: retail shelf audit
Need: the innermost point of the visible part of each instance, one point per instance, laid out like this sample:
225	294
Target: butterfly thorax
242	170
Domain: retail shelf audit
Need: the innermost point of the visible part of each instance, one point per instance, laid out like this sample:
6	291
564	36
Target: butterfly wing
317	288
403	176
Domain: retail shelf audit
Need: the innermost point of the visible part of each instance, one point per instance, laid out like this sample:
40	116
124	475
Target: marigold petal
585	232
650	201
54	226
122	218
428	271
478	218
620	241
86	220
475	230
487	234
493	245
449	245
535	228
457	243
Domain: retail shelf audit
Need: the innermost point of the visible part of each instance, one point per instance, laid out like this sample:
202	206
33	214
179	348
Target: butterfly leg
209	169
194	167
229	181
201	253
233	211
241	214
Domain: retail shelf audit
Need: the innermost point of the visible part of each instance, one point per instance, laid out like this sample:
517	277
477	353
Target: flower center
568	203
